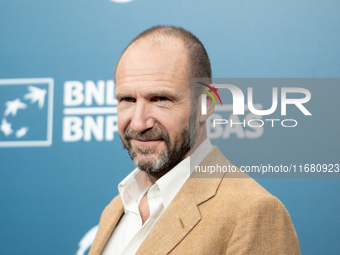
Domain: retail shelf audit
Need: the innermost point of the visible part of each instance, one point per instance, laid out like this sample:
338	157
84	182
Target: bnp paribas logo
26	112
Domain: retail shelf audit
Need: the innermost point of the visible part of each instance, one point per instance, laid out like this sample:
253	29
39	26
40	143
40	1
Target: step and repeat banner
61	157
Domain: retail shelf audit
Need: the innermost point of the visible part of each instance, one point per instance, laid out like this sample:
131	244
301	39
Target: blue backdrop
60	163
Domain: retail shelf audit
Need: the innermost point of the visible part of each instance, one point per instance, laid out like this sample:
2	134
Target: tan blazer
213	216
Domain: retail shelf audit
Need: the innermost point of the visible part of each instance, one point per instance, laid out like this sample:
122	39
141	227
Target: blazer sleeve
264	227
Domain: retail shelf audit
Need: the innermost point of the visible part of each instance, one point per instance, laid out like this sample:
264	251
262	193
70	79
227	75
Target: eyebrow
163	94
122	95
151	94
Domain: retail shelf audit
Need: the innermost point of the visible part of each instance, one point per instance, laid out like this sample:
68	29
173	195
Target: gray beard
169	157
166	160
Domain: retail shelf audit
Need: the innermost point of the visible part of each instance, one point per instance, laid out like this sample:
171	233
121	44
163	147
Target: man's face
154	104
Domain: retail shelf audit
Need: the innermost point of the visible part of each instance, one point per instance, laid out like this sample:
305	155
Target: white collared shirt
130	233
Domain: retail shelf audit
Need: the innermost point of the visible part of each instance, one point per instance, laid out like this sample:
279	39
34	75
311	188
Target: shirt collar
134	186
131	188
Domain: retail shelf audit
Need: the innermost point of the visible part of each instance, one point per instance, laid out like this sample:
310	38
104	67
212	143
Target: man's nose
142	119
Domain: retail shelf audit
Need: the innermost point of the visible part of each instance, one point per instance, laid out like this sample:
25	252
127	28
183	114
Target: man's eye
128	99
161	99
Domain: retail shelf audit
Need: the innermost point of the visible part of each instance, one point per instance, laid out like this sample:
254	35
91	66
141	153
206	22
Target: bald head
190	47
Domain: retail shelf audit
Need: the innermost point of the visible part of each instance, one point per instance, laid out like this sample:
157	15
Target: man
160	209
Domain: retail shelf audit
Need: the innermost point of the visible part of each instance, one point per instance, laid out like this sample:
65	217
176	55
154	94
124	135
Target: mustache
149	134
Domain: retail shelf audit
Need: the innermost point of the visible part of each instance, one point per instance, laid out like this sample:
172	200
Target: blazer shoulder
262	224
243	195
243	186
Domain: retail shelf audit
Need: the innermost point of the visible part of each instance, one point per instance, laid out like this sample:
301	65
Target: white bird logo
6	128
13	106
36	94
21	132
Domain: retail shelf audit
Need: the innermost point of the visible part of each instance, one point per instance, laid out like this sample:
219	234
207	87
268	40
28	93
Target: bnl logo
26	109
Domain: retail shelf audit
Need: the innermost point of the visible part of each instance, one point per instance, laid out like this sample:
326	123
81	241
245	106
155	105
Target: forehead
147	61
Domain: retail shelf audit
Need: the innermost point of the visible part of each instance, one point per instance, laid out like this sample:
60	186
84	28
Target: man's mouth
149	142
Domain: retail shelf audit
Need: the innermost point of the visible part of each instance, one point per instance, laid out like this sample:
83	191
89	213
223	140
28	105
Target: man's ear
210	106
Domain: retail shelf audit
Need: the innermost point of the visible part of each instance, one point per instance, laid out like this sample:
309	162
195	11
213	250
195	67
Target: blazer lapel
182	214
111	215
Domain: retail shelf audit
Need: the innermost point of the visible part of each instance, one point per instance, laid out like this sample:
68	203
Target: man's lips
146	142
